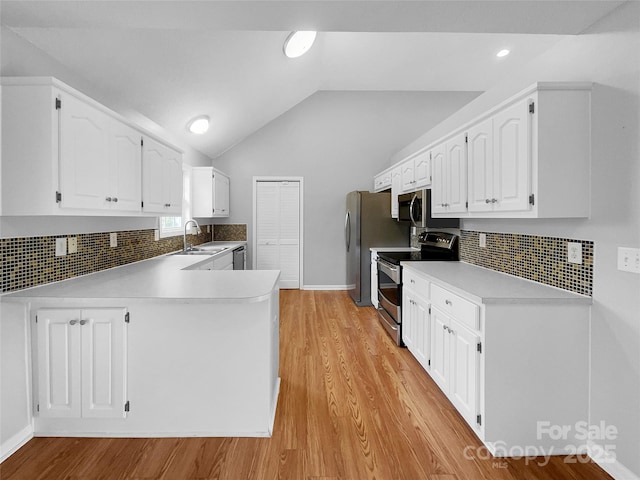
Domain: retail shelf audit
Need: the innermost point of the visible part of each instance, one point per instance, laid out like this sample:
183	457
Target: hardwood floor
352	406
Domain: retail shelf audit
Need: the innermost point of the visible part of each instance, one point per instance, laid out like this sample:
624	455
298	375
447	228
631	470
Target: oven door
390	298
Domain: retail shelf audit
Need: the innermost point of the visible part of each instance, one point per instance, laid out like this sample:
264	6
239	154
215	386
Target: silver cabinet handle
73	322
493	200
115	199
413	281
83	322
448	302
487	201
108	199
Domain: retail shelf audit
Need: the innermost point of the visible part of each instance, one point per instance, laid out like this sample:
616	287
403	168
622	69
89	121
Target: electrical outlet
208	228
113	239
156	235
629	259
72	244
61	247
482	240
574	252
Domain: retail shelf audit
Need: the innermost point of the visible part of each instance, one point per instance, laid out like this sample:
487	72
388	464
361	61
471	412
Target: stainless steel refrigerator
367	224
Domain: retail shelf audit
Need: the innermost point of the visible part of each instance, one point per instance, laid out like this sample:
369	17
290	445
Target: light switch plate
574	252
482	240
629	259
72	244
61	247
156	235
113	239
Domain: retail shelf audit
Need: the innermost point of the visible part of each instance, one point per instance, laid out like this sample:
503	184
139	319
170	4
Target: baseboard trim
325	287
609	463
13	444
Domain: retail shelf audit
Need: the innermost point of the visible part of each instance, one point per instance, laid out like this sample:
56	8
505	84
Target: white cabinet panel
396	187
422	169
440	352
480	155
125	179
81	362
220	195
84	159
161	178
464	371
449	191
210	193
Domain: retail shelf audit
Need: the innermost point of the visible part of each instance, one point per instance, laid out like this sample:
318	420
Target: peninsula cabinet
81	359
161	179
65	154
210	192
496	346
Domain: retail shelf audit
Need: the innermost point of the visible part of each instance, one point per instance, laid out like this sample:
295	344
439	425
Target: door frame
254	243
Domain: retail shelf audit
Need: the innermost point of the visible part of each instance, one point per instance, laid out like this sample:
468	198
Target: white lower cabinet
508	365
81	359
455	363
374	279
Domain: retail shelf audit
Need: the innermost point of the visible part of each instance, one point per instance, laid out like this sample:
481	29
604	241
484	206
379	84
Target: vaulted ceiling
174	60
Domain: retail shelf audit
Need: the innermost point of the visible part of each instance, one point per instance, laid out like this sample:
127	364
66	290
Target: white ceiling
174	60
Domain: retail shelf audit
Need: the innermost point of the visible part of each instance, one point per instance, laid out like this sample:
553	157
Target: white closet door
278	230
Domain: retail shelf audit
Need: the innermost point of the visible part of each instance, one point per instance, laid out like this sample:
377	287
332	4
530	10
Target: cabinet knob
487	201
115	199
83	322
448	302
108	199
413	281
493	200
73	322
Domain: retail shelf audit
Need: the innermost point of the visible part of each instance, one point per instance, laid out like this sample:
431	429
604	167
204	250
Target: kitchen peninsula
155	348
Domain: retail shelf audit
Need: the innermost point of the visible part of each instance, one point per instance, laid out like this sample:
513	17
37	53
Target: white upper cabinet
210	193
416	172
396	187
449	190
161	179
65	154
382	181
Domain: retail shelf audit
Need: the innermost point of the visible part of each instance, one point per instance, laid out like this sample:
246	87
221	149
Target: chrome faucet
185	245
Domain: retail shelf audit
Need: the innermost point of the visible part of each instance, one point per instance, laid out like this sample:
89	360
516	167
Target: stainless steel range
434	246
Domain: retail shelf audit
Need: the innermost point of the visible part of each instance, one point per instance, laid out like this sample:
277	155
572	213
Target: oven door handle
392	271
347	230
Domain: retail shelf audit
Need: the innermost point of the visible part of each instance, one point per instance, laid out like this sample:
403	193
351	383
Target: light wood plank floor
352	406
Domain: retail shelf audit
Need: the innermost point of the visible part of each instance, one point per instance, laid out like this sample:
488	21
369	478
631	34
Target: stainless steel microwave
416	208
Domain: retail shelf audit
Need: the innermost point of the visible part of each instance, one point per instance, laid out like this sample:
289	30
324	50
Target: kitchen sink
210	250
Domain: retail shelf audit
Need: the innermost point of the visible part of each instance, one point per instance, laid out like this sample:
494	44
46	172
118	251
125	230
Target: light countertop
394	249
163	278
482	285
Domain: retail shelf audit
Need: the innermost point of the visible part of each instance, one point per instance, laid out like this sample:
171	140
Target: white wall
337	141
608	54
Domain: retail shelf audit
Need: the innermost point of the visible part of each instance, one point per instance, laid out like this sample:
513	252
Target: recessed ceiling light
298	43
199	125
503	53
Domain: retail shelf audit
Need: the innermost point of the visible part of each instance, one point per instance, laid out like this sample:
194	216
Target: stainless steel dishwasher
240	258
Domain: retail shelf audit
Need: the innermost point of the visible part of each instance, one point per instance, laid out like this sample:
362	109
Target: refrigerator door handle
347	230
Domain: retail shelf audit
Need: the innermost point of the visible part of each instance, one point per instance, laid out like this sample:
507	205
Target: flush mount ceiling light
503	53
298	43
199	125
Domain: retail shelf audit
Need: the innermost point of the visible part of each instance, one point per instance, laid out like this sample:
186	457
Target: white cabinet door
59	363
456	159
84	161
220	195
103	363
81	362
374	279
512	158
438	189
396	187
125	182
440	351
480	166
422	169
422	335
463	384
161	179
382	182
408	319
408	179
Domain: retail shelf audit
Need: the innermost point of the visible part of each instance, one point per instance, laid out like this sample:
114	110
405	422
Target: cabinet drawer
462	310
415	282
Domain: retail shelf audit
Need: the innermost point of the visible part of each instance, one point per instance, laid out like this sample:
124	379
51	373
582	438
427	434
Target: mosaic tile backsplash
31	261
537	258
542	259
